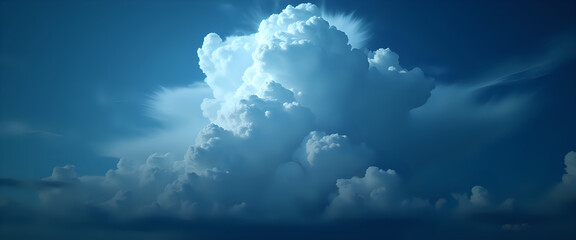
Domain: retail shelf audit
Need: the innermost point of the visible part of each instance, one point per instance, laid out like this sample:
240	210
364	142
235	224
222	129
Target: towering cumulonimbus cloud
298	119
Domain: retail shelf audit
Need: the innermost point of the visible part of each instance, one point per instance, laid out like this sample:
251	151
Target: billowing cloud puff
567	188
479	197
561	199
305	54
332	154
570	161
373	194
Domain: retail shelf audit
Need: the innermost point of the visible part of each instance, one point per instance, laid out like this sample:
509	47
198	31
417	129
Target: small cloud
570	162
515	227
562	198
34	185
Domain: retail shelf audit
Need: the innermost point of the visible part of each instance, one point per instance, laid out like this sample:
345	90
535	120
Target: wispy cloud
15	128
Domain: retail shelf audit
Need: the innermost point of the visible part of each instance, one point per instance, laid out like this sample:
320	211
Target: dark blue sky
79	76
83	70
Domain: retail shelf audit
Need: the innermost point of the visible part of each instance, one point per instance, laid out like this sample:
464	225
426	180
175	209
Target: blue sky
465	122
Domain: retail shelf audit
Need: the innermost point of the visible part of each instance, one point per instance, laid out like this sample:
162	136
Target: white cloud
333	155
374	194
480	201
288	119
479	196
63	174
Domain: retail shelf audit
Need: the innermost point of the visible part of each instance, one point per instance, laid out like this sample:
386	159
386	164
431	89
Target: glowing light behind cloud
355	27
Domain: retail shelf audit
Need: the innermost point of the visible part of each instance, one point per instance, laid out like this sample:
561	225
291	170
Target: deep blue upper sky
83	69
78	75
